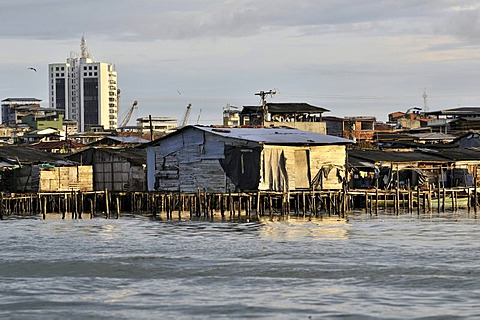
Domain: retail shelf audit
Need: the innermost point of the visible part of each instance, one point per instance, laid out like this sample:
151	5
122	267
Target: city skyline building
85	89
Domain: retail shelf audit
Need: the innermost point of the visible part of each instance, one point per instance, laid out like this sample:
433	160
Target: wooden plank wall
188	162
62	179
324	156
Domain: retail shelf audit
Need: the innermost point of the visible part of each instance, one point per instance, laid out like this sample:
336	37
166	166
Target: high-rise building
85	89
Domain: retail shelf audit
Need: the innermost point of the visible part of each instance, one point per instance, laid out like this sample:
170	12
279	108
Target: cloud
462	22
145	20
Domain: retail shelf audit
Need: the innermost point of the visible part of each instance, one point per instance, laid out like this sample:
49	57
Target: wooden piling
44	207
1	206
107	204
475	200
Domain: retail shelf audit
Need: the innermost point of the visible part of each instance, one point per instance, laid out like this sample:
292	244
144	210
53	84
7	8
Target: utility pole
262	95
150	126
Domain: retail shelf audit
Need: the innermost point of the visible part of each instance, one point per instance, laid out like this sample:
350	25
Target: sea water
364	267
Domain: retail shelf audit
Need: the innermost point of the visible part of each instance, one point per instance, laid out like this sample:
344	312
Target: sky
354	58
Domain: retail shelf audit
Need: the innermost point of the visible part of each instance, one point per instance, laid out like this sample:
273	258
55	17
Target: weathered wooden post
44	207
181	204
418	200
91	208
475	190
469	200
410	197
75	204
397	193
1	206
452	195
117	206
444	196
257	213
239	206
107	204
82	205
438	195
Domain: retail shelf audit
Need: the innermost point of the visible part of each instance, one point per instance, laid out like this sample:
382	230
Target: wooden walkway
78	205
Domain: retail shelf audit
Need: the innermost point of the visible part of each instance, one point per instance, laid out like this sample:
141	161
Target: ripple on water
367	266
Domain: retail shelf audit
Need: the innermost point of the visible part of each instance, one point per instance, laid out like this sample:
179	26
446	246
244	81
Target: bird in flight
32	68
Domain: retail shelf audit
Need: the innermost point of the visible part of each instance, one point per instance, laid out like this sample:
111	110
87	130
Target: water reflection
301	228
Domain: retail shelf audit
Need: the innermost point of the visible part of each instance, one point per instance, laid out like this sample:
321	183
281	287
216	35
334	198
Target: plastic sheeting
242	166
275	170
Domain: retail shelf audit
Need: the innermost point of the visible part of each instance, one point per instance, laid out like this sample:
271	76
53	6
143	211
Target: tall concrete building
85	89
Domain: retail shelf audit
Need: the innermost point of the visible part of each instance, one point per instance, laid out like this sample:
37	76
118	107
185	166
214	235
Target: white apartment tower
86	90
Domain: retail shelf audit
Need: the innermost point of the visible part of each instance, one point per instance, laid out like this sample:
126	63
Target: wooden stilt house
115	169
245	159
25	169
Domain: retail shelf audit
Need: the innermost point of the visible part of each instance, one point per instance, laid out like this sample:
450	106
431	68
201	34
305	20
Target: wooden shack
245	159
115	169
25	169
447	167
378	168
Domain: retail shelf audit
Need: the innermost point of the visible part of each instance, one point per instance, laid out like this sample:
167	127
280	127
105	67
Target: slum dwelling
26	169
452	167
115	169
221	160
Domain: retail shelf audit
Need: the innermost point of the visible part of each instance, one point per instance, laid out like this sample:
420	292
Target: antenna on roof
262	95
83	48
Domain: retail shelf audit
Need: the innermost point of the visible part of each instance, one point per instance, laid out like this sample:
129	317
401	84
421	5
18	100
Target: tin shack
26	169
115	169
224	160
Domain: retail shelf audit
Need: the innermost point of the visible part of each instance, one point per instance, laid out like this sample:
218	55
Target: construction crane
186	115
125	120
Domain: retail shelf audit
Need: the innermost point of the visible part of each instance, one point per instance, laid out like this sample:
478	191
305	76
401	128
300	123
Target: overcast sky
355	58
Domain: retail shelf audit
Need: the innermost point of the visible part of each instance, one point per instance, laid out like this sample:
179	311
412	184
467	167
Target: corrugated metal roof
120	140
456	154
129	139
276	135
135	156
465	110
360	163
285	107
21	100
57	144
424	155
391	156
15	154
433	136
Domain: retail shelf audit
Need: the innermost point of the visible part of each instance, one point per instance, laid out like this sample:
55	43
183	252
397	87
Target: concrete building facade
158	124
85	89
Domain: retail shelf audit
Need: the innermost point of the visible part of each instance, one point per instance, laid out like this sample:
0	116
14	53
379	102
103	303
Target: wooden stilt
107	204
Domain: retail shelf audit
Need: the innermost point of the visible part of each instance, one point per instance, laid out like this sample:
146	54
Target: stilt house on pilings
221	160
448	167
25	169
302	116
115	169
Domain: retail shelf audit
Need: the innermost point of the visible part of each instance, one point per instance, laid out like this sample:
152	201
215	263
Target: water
367	267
